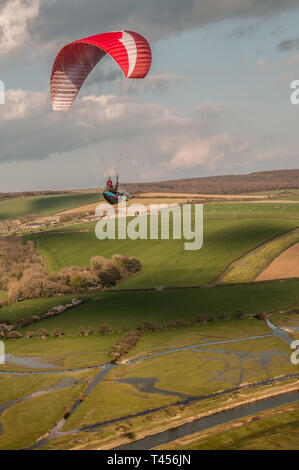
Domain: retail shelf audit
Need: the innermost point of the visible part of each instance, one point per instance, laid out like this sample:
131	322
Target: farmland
145	392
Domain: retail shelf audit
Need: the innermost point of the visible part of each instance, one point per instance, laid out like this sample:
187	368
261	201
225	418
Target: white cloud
50	23
143	137
15	15
21	104
202	152
209	110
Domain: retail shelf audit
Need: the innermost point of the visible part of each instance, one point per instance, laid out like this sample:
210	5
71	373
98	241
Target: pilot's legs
124	192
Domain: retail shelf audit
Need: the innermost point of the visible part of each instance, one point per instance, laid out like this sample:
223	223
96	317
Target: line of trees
124	345
25	276
8	331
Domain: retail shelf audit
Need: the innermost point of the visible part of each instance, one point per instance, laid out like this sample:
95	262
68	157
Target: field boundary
225	270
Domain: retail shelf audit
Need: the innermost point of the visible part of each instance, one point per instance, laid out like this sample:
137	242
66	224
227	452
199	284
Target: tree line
24	275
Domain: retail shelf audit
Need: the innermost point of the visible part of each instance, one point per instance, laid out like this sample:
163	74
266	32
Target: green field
249	266
165	262
172	377
120	309
130	308
182	374
24	422
252	210
223	330
44	205
231	230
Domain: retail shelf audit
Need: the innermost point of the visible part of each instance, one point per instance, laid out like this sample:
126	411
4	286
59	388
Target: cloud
199	152
21	104
242	31
140	138
288	44
15	17
209	110
52	23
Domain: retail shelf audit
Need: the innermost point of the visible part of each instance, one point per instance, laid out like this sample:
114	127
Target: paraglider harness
111	197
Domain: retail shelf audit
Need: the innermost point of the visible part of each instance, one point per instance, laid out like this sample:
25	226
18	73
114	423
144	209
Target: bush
131	265
75	282
261	316
149	326
105	329
110	276
13	335
124	345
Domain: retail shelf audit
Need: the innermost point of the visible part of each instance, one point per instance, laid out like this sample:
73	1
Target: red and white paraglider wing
76	60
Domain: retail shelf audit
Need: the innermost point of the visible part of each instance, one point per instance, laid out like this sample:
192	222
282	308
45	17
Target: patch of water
210	421
28	361
278	332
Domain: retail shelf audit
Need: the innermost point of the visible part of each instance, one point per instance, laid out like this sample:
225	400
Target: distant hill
227	184
6	196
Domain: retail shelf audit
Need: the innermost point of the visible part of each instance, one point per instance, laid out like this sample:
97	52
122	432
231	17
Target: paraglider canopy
76	60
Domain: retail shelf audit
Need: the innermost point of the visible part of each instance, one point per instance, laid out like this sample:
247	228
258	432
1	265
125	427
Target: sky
216	100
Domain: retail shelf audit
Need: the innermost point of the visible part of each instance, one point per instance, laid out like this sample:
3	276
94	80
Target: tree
261	316
13	335
75	282
239	314
105	329
30	334
224	315
81	330
88	332
110	276
58	332
43	333
131	265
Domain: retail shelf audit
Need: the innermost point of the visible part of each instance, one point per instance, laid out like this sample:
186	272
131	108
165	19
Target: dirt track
284	266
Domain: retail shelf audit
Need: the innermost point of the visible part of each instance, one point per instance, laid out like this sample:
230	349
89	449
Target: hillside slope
227	184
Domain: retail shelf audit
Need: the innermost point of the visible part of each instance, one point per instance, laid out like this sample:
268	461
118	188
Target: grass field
16	387
207	369
120	309
271	430
44	205
111	400
130	308
29	308
251	265
165	262
71	352
199	372
24	422
252	210
222	330
230	231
